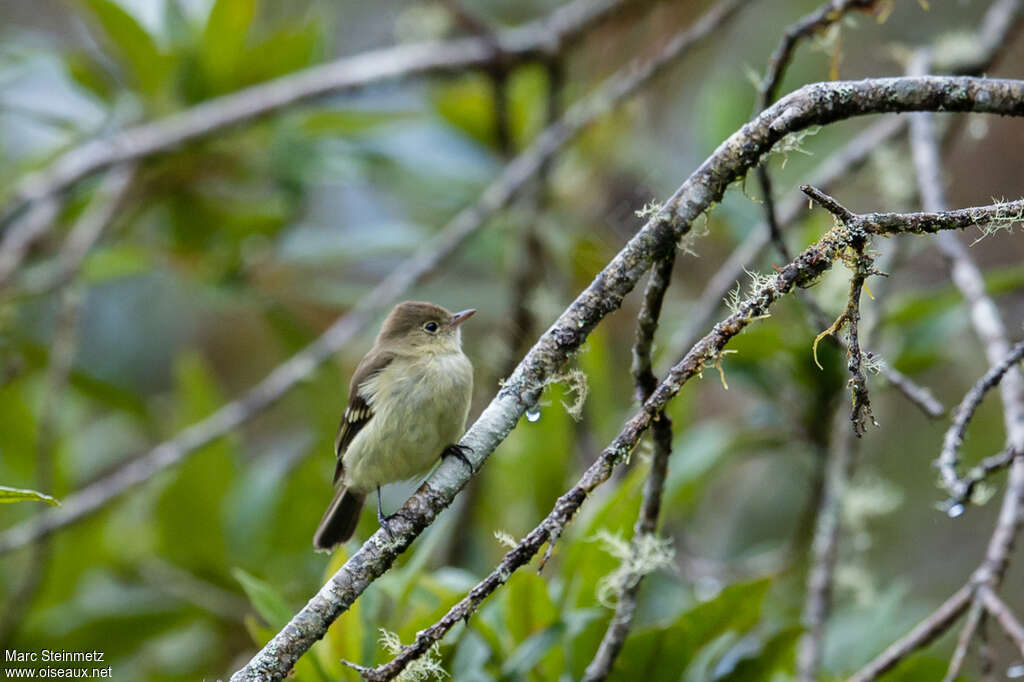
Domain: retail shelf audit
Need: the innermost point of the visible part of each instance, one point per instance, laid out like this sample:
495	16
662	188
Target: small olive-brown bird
407	406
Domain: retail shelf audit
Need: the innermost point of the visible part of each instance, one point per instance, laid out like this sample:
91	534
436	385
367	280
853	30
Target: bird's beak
460	317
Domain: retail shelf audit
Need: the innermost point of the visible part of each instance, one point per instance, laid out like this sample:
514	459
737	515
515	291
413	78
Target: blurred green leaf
267	601
23	495
115	262
176	23
775	656
467	103
89	74
736	609
345	122
132	43
527	656
222	50
293	48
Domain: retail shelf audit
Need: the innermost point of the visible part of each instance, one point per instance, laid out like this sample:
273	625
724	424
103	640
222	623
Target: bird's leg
459	452
384	521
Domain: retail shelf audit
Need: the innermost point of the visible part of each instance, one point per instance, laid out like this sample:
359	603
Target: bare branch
537	39
516	175
22	234
1002	613
926	631
522	389
949	456
972	623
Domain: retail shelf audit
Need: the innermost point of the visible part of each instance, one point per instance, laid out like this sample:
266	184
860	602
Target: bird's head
417	326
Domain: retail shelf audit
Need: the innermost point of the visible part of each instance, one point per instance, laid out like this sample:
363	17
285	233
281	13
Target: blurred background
230	253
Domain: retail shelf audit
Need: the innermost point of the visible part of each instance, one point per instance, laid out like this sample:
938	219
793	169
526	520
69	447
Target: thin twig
650	506
922	635
1004	616
516	175
949	458
989	326
835	167
972	623
820	19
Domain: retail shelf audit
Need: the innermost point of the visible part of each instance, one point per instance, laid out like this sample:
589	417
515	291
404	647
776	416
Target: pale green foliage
864	502
1004	219
426	667
793	142
505	539
646	554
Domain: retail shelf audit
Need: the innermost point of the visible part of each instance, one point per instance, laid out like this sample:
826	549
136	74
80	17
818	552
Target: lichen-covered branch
650	506
522	389
514	177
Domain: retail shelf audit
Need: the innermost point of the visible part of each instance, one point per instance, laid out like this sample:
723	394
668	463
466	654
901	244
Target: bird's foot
460	453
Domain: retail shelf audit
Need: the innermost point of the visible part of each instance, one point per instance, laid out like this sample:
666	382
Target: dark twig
650	507
377	553
516	175
922	635
973	621
949	458
820	19
836	166
989	326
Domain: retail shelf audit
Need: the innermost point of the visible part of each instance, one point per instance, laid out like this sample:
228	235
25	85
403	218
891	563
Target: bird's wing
358	413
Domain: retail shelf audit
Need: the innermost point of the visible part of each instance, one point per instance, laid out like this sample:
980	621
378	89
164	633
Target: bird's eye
430	327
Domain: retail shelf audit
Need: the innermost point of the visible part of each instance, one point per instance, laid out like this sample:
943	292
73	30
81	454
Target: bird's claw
460	453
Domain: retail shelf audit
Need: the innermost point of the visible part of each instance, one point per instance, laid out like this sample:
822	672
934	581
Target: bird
409	398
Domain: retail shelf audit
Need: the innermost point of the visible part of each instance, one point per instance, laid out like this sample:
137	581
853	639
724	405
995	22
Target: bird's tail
339	521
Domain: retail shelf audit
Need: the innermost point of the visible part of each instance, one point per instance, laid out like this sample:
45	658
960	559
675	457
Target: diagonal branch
523	387
804	270
949	458
516	175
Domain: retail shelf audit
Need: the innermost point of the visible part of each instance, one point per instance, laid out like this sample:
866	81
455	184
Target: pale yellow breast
420	407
